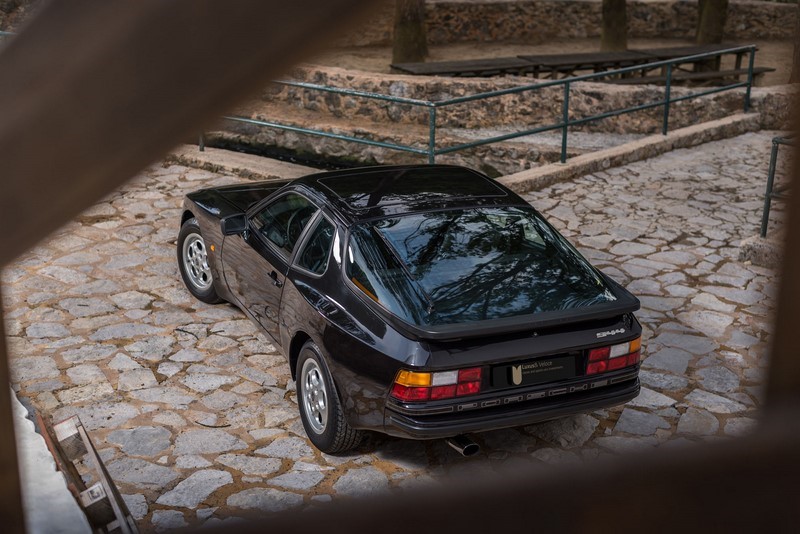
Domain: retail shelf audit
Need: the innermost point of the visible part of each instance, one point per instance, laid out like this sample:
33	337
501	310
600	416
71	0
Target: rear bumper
509	410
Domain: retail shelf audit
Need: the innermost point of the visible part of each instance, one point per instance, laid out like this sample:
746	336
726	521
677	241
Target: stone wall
495	160
529	109
540	20
13	12
406	125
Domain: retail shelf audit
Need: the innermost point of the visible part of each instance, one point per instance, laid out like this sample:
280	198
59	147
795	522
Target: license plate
534	372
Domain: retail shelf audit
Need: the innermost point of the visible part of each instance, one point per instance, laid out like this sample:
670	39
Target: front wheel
320	410
193	263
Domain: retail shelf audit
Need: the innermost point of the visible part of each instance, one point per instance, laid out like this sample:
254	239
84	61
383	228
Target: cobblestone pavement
196	417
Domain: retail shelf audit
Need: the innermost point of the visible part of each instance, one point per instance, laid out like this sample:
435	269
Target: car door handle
275	281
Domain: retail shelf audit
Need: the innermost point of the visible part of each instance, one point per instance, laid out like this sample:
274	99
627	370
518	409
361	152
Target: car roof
382	191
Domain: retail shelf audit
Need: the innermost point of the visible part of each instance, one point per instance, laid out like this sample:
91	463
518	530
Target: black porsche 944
420	301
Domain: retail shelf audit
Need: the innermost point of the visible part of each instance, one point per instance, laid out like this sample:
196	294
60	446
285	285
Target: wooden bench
702	76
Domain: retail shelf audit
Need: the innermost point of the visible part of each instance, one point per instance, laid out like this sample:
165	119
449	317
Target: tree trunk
614	35
711	21
711	15
795	77
410	40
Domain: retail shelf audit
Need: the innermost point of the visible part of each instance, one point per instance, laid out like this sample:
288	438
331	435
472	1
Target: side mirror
233	224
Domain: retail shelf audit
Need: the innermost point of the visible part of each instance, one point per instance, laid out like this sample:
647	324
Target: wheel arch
298	340
187	214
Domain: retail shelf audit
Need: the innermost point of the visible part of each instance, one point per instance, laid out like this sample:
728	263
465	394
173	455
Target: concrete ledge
236	163
766	252
540	177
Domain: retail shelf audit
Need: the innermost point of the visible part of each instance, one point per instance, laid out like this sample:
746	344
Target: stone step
236	163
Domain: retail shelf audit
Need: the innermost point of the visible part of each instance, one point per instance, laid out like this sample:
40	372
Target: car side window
314	256
282	222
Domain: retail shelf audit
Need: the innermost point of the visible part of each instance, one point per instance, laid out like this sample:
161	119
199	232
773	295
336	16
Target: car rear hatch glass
471	265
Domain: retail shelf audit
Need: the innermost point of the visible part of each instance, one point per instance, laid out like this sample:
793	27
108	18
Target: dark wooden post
410	41
96	112
11	513
614	34
711	18
795	76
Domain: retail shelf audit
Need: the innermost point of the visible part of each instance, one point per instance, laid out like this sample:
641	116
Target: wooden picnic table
675	52
565	65
467	67
568	64
537	64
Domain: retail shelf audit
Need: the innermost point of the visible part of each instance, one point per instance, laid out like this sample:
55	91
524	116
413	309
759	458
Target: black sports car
419	301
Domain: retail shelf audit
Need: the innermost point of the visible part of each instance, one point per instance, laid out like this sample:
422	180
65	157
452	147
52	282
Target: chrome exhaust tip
463	445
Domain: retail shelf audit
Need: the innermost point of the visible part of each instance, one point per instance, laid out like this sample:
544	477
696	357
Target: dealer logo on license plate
536	371
516	375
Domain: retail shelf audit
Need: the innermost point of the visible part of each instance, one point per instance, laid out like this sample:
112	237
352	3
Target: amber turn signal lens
412	379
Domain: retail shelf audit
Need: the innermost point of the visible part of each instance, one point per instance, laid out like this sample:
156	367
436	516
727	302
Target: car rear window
459	266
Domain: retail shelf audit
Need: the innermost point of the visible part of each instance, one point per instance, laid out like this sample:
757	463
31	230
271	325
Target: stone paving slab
236	163
194	412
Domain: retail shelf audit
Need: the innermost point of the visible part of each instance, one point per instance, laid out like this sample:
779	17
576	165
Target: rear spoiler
625	303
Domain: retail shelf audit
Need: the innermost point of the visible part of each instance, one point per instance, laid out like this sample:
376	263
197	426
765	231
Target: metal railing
432	149
772	192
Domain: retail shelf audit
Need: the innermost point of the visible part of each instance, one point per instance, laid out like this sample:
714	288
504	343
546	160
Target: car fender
212	235
361	372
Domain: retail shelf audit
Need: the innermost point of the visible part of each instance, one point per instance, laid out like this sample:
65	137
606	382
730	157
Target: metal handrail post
431	135
773	159
667	99
201	144
750	63
565	122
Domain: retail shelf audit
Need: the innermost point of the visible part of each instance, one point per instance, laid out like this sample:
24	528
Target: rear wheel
193	263
320	410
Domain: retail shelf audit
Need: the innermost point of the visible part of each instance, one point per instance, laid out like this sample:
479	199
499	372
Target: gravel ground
195	413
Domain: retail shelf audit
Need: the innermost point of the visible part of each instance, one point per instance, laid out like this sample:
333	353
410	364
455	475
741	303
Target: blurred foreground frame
93	91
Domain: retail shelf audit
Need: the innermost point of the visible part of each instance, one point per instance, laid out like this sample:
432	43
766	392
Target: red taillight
596	367
617	363
469	375
417	386
468	388
596	355
410	394
443	392
613	357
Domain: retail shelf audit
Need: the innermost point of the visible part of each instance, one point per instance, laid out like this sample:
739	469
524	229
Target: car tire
320	409
193	263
